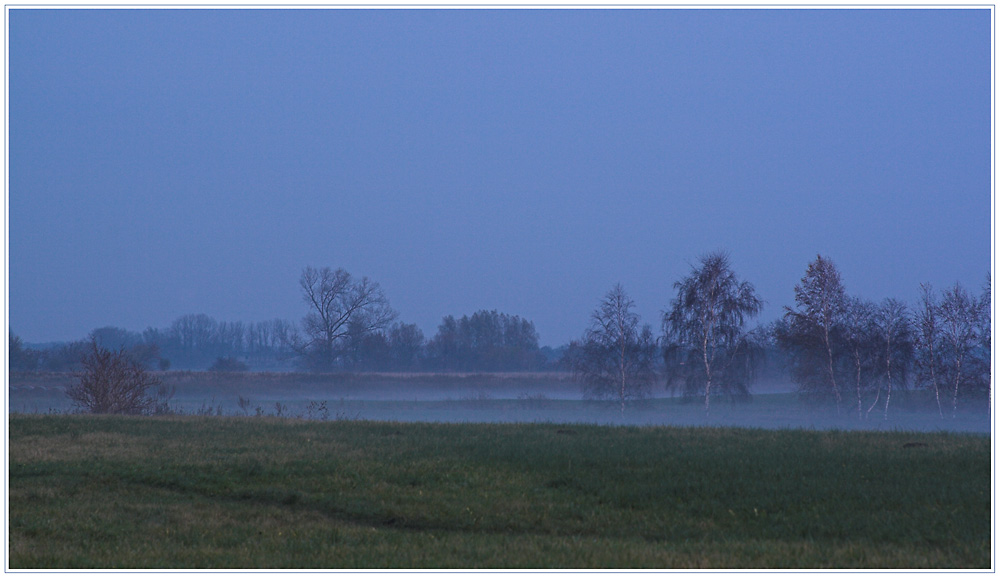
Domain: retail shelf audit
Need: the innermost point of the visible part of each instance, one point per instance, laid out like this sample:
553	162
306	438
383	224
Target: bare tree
194	332
892	326
406	346
927	323
984	352
705	327
959	317
860	338
269	341
230	337
339	305
113	382
615	359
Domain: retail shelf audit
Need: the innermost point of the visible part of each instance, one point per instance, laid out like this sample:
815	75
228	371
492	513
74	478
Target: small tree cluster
400	347
953	352
706	347
485	341
845	348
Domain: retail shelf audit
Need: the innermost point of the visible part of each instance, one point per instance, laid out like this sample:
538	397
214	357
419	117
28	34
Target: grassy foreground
194	492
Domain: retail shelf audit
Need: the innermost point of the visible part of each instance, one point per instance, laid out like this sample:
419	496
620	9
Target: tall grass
115	492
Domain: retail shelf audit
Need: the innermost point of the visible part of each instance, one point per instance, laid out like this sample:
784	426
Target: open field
539	397
198	492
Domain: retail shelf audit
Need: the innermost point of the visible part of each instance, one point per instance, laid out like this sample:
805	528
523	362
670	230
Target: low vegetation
190	492
113	382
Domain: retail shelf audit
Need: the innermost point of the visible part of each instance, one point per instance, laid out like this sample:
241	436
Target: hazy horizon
172	162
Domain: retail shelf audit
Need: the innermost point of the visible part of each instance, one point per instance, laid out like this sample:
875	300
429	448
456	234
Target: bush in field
114	382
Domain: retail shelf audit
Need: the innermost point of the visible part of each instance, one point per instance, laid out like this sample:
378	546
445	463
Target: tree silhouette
704	329
615	358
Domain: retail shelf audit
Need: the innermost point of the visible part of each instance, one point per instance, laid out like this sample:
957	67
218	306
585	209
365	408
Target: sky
169	162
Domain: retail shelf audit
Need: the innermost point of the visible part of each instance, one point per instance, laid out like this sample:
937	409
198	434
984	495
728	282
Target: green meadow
226	492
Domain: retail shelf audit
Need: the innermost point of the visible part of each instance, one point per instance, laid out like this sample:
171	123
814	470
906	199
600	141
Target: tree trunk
622	393
954	397
857	380
937	393
888	377
708	373
829	357
878	394
621	365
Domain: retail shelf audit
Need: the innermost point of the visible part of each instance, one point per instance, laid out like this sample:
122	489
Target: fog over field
484	398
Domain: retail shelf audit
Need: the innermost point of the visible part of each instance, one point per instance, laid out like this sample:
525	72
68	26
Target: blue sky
165	162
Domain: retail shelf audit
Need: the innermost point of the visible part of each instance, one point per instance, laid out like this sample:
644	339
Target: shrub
113	382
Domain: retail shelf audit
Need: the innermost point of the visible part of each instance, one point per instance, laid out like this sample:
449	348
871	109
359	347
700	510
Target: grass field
197	492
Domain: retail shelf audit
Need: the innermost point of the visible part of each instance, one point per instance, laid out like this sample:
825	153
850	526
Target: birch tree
615	358
928	336
958	311
984	352
821	303
860	339
704	328
895	347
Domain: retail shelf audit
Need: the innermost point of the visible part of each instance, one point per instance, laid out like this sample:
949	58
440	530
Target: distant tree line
855	355
191	342
348	326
